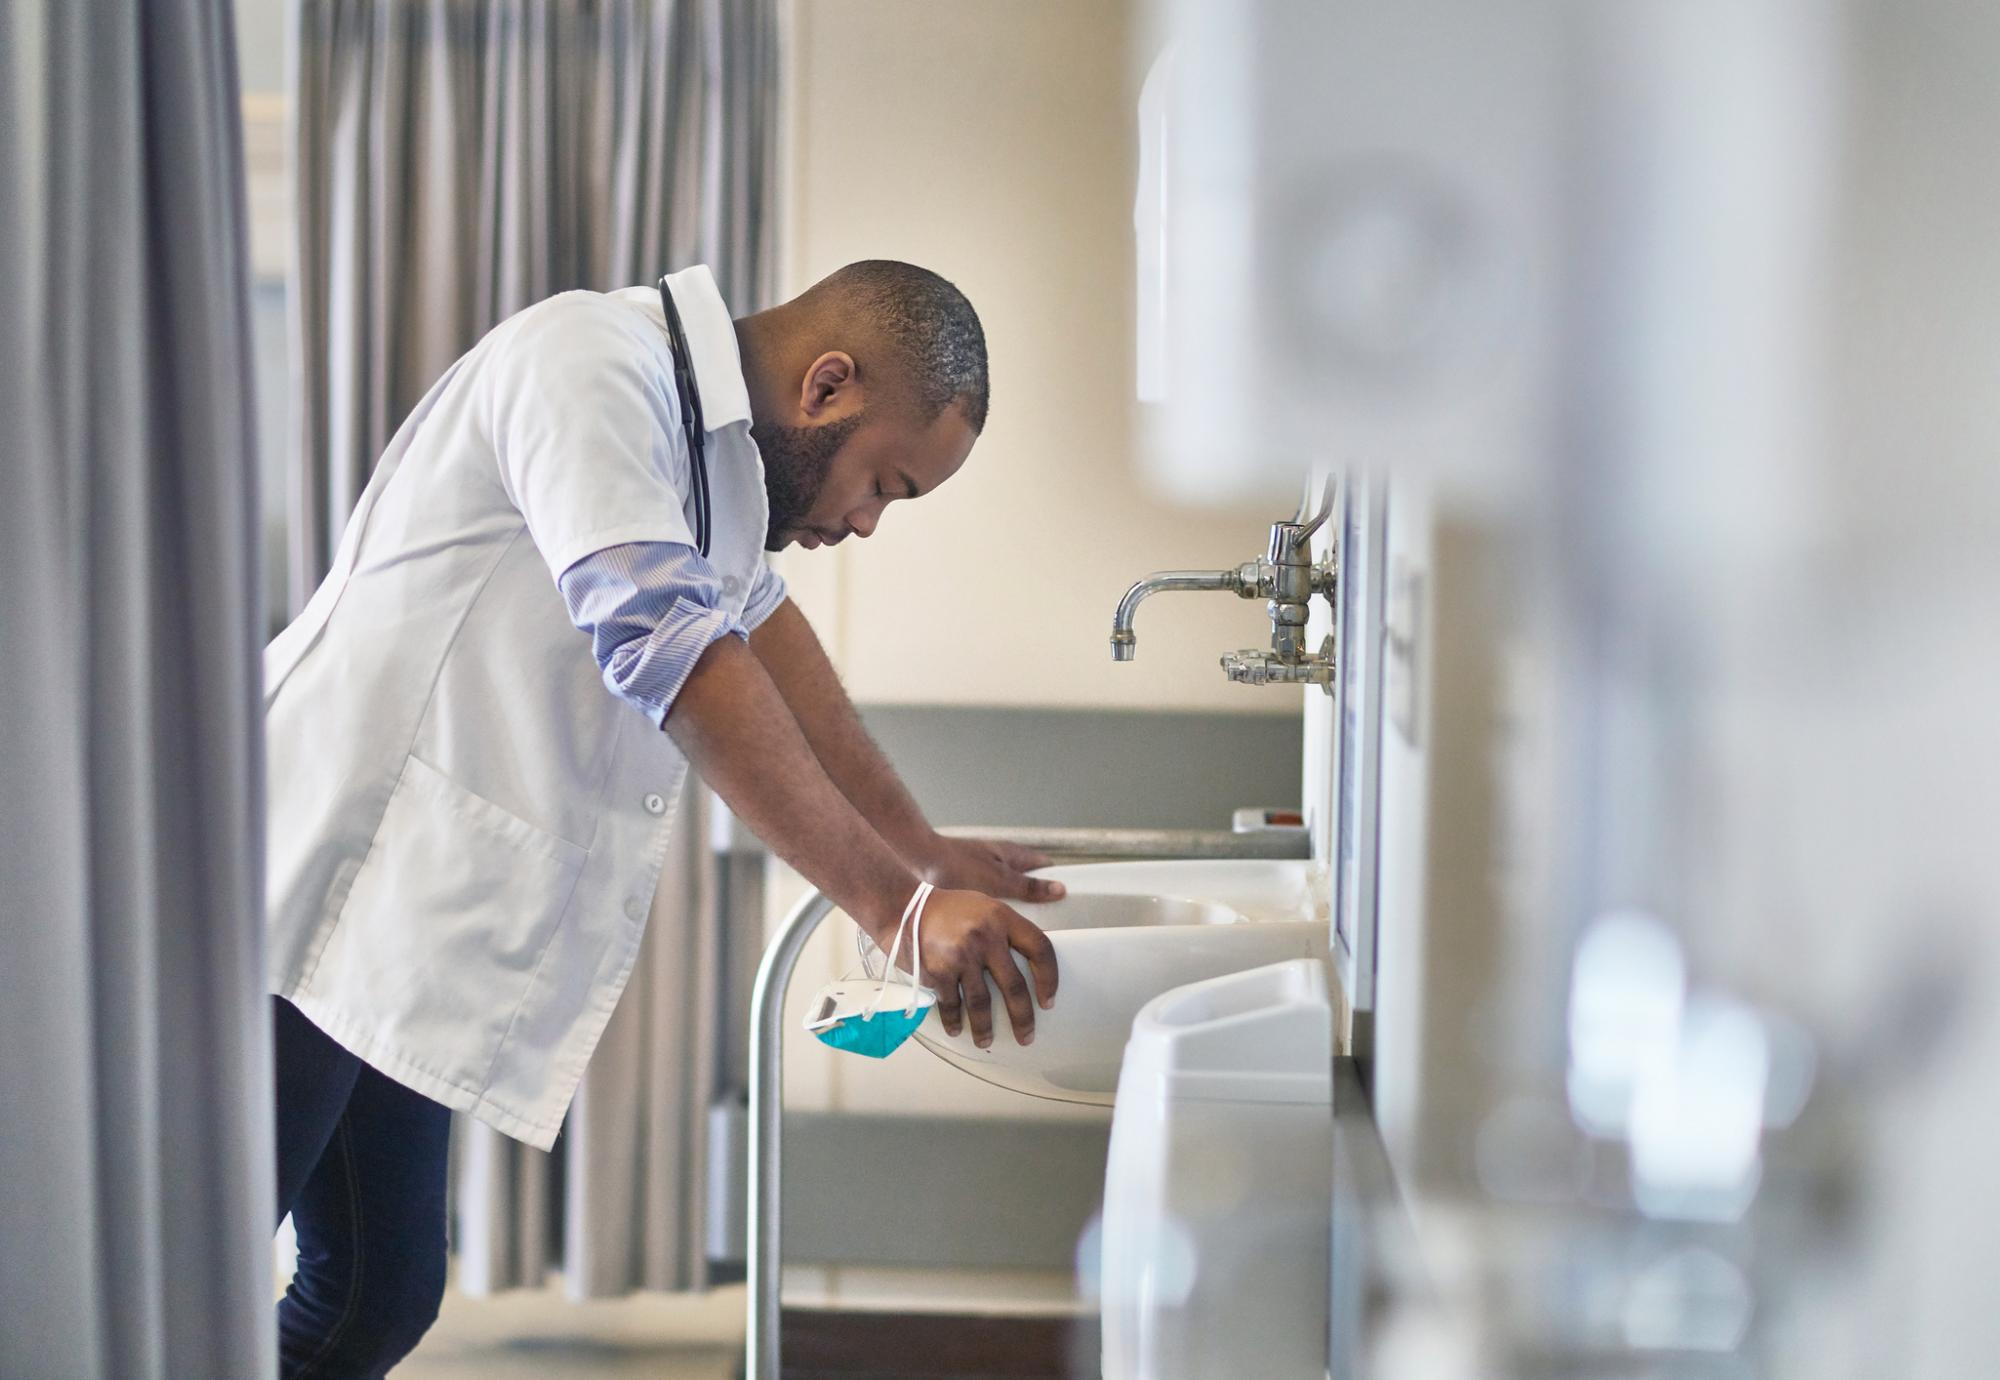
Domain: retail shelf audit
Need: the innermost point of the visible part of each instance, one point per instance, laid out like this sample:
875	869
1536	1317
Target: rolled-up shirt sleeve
651	609
765	596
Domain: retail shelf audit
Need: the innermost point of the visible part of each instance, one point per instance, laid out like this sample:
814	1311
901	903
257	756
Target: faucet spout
1125	642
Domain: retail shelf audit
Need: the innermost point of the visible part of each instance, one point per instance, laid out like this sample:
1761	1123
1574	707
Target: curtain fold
135	1151
456	161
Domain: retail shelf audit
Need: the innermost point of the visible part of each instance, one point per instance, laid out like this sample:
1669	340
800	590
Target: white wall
995	142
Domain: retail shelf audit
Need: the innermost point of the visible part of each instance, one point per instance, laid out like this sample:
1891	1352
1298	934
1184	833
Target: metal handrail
767	1011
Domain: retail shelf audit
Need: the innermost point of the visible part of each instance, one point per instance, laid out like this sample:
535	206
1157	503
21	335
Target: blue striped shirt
652	609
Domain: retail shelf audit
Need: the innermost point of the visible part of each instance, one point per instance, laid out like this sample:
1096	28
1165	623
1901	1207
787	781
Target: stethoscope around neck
691	422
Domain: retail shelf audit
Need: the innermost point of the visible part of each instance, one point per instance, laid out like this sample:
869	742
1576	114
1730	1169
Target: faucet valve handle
1325	508
1289	540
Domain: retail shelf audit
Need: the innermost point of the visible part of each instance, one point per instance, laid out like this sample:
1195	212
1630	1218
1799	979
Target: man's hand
968	937
987	865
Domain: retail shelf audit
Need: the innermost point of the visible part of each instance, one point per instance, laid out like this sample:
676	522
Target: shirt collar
711	338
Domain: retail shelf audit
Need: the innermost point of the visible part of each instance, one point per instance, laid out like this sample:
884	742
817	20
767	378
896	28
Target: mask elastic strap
917	948
913	920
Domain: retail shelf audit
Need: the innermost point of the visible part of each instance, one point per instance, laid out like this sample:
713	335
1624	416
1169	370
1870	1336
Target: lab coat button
635	909
656	804
731	585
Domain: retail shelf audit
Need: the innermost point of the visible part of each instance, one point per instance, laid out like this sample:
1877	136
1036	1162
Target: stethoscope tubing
691	421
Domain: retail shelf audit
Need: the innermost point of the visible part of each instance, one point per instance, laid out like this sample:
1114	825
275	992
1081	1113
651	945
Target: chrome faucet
1287	577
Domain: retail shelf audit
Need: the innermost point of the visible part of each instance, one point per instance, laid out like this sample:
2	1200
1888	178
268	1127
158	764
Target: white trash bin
1218	1190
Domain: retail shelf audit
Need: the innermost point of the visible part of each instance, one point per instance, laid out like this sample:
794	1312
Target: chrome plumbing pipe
767	1034
767	1098
1125	642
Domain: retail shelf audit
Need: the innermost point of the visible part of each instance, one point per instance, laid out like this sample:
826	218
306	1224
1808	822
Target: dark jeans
361	1169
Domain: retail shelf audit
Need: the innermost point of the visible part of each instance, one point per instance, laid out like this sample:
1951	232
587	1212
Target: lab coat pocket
447	922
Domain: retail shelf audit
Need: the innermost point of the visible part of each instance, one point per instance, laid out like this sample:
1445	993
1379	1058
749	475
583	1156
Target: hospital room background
1484	568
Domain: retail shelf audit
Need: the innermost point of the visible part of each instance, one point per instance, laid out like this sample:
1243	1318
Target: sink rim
1259	891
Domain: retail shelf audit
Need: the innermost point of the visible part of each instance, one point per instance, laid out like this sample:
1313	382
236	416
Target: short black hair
928	324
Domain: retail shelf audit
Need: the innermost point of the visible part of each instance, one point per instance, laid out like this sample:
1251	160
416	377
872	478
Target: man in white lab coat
550	600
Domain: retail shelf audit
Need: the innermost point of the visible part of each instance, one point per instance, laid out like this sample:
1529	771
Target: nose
862	522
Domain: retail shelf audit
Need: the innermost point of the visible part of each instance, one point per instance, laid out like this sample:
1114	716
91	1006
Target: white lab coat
465	826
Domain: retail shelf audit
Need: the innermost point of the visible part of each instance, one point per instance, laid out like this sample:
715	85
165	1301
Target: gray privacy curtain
456	161
135	1158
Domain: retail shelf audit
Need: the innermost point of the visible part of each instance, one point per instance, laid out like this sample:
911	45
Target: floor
540	1334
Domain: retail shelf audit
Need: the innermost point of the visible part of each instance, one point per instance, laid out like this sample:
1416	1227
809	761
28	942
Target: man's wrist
888	896
922	848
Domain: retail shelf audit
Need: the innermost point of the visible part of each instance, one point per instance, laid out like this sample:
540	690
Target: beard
797	460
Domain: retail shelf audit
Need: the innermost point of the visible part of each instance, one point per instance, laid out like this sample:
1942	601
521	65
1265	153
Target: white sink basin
1125	933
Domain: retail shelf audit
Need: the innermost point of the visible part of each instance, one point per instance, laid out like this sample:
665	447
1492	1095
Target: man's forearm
737	730
798	666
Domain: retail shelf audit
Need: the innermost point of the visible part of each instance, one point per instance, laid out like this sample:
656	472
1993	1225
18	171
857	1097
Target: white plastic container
1218	1190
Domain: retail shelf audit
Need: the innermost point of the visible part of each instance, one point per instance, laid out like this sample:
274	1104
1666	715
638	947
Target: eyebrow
909	482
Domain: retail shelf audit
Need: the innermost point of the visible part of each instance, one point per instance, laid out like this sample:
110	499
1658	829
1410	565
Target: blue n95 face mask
855	1015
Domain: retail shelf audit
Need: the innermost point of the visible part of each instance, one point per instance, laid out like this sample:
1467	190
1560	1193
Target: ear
831	376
